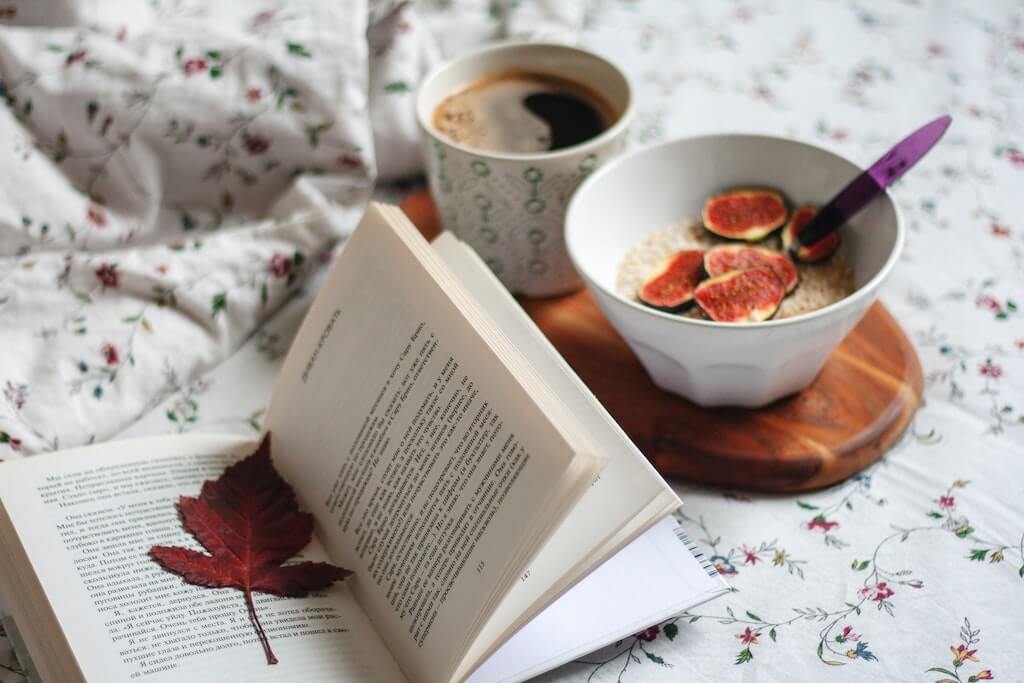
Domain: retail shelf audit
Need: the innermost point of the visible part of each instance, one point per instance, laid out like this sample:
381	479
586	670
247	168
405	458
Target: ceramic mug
510	207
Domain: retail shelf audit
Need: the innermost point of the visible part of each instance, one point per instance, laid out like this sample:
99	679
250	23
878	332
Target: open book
493	513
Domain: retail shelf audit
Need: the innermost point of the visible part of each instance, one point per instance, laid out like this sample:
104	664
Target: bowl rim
865	290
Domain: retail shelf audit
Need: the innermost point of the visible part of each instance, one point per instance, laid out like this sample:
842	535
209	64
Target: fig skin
745	214
728	257
818	251
752	295
670	288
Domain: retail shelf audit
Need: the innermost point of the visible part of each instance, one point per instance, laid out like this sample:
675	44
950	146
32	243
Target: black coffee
523	112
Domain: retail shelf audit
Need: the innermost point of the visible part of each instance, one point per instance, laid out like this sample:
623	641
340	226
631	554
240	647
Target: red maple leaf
249	521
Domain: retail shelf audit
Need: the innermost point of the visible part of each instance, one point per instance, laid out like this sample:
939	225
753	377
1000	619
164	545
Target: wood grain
857	407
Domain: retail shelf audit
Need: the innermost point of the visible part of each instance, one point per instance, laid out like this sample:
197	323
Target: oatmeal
821	283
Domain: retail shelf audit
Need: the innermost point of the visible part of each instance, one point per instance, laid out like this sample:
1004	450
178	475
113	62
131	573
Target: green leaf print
940	670
298	50
655	658
219	302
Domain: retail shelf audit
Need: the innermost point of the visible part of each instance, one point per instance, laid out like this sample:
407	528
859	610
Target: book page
656	576
423	454
628	496
86	520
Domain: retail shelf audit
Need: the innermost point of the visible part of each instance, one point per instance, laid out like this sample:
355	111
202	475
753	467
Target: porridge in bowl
691	270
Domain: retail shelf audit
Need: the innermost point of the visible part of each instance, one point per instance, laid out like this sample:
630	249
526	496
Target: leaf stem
271	659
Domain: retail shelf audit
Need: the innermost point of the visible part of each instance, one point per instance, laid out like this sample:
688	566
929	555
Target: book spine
695	551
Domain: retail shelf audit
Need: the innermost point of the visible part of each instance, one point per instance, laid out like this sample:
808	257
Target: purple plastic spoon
872	182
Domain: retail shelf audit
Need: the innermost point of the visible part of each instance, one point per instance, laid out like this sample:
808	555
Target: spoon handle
872	182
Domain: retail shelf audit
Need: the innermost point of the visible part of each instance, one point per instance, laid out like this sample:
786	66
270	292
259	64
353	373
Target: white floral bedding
174	173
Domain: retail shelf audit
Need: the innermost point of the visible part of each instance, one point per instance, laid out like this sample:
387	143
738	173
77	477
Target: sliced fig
748	215
728	257
741	296
670	288
818	251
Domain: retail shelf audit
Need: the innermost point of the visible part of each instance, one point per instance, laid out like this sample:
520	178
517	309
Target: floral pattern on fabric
174	169
867	580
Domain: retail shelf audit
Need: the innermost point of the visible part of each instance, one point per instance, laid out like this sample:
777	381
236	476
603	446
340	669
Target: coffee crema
523	112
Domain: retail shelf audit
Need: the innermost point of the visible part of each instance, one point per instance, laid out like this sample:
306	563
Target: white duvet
172	172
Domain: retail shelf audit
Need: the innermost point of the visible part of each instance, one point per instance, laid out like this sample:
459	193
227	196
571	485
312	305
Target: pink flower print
73	58
1000	230
988	303
280	265
983	675
122	33
262	18
876	592
349	161
12	443
1019	343
195	66
108	276
748	637
109	352
16	394
253	94
916	583
649	634
848	635
255	144
96	216
765	93
947	502
990	369
936	50
819	522
1016	158
962	654
750	556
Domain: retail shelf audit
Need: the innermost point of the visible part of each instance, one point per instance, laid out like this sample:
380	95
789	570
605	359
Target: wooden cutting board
858	406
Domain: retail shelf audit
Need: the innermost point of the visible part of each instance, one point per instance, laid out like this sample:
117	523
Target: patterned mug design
511	211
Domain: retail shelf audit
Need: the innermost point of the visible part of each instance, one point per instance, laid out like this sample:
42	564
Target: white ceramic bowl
743	364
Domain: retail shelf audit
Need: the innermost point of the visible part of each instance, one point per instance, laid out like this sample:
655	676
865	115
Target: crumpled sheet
910	571
173	172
